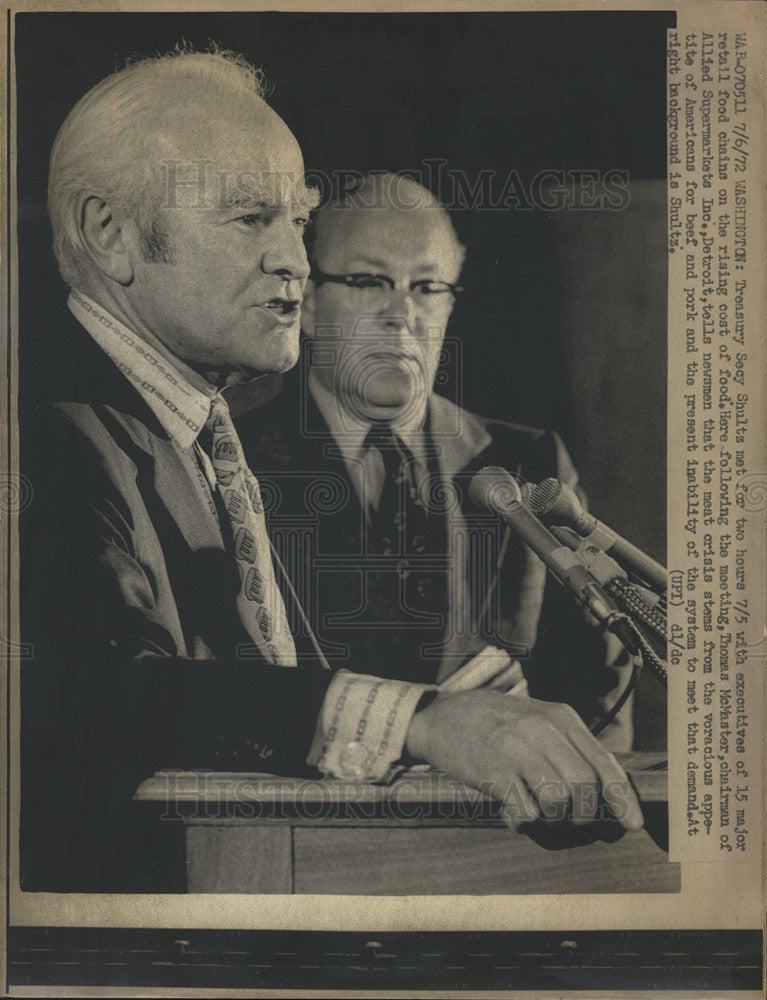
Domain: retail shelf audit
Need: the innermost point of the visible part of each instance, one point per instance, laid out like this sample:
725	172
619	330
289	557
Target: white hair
108	144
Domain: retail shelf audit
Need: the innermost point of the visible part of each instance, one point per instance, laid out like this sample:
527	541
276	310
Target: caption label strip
714	608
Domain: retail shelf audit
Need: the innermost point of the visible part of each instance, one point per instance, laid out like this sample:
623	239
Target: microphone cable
649	658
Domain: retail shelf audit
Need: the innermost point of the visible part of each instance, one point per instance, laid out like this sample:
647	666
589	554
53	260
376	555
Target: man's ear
308	308
104	240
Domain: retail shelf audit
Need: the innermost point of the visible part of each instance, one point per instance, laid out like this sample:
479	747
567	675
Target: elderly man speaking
158	617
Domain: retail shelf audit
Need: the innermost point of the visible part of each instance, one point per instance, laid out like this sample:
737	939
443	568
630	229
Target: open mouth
286	310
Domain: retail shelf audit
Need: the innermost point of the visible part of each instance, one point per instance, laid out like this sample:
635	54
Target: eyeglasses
374	289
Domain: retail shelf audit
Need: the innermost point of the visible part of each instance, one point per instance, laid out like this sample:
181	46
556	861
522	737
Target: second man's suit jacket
315	518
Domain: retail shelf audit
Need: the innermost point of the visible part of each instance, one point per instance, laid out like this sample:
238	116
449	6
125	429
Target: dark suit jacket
127	600
313	502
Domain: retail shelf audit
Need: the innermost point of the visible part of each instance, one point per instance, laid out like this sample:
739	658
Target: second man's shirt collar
349	431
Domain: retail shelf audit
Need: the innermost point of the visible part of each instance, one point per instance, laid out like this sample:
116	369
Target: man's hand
537	757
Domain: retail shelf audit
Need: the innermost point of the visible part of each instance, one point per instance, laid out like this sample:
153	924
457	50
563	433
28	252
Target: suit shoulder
104	426
518	432
532	440
538	452
93	443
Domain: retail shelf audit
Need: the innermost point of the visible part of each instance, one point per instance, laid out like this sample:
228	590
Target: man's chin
277	357
284	365
395	386
388	403
248	372
379	390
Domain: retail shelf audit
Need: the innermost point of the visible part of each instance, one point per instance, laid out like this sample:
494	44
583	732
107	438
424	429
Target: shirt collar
181	408
350	431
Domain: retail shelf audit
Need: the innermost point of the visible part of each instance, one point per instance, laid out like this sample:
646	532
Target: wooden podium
425	834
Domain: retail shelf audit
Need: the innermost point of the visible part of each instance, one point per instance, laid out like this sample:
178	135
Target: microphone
552	500
493	488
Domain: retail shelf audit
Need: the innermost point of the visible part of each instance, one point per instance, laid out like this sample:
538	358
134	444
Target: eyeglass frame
321	277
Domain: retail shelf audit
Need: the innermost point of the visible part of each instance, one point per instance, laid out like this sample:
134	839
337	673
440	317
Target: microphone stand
647	618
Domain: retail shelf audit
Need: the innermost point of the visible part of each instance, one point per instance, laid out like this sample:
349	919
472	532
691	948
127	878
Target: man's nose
399	310
287	255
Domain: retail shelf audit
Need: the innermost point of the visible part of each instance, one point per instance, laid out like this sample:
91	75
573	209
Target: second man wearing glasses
369	468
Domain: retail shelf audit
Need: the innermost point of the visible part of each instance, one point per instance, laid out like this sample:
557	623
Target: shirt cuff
362	726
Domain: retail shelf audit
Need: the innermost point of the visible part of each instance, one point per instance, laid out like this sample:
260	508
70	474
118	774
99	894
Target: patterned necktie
408	595
259	601
402	521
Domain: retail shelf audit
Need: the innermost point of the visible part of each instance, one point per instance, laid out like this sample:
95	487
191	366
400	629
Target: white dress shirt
365	466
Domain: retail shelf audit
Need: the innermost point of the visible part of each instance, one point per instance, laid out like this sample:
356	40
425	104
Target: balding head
118	140
178	203
386	206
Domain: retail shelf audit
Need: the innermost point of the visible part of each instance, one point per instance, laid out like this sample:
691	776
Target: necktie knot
393	450
219	411
380	435
219	420
226	454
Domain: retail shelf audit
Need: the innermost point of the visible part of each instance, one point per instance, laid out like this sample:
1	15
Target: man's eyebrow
383	267
306	199
368	262
244	200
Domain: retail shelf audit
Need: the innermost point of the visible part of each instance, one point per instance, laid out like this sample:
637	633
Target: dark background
563	323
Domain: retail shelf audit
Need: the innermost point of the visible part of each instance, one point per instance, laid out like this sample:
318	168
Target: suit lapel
513	596
458	436
289	444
